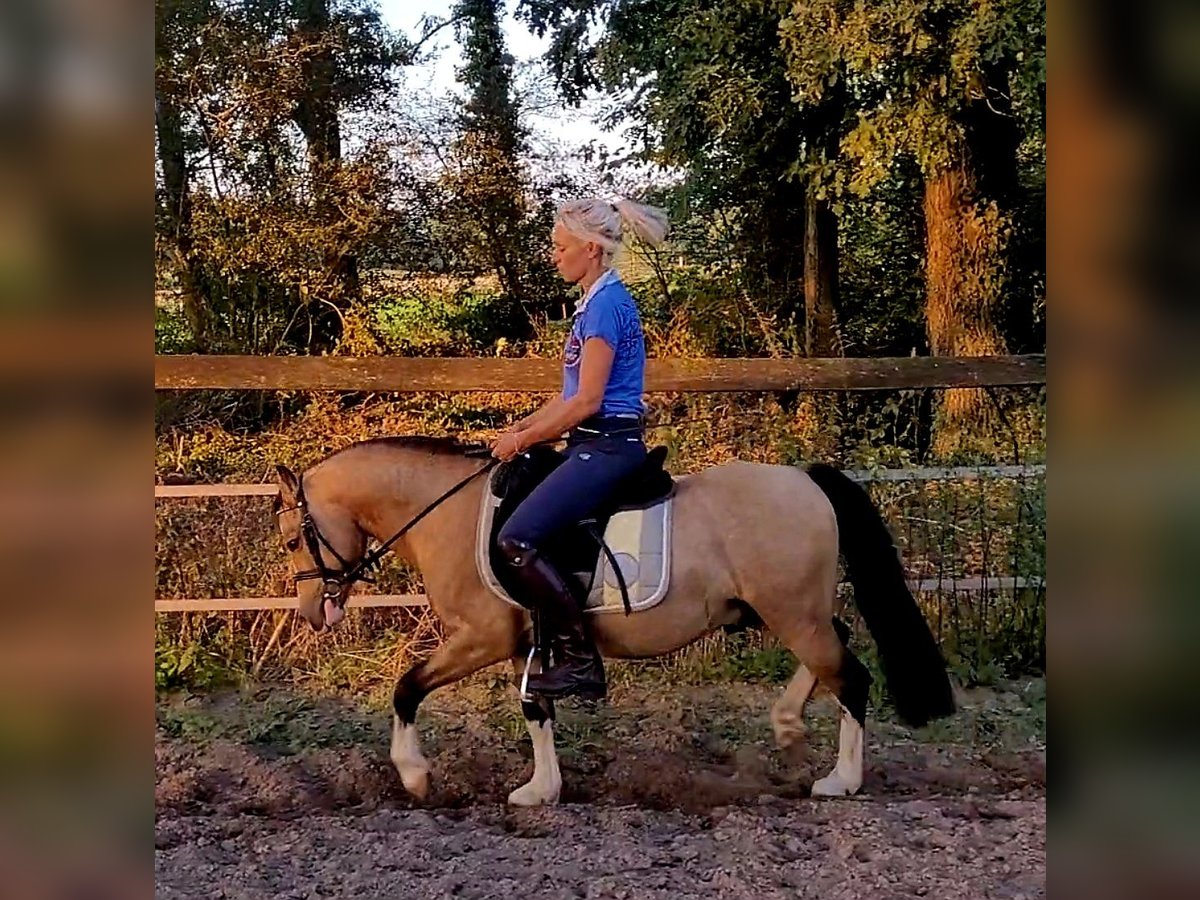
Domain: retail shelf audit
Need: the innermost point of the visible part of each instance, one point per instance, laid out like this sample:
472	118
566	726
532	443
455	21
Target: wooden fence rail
969	583
949	473
397	374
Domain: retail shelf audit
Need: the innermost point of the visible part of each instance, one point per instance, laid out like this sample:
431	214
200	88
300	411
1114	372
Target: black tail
912	664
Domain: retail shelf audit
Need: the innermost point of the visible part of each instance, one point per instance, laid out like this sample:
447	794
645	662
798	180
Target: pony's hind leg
847	775
850	683
544	787
826	660
787	715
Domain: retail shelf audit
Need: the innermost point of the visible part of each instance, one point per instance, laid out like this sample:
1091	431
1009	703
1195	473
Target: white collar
605	277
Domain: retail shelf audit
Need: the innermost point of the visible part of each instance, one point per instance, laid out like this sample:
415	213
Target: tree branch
431	31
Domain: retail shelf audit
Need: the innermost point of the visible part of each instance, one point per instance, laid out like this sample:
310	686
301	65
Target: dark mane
443	446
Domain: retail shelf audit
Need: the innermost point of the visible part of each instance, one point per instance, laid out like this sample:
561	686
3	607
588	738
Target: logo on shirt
574	349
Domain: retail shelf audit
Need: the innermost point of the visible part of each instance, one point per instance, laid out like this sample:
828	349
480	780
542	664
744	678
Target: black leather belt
603	426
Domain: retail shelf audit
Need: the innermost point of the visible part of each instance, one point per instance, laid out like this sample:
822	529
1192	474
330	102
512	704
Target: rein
336	581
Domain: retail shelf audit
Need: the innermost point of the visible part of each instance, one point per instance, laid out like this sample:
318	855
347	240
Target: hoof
833	785
533	795
416	782
788	736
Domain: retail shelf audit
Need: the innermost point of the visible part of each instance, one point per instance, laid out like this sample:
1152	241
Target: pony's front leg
407	757
461	655
545	786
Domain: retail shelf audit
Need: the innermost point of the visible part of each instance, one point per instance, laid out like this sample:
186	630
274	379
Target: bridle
337	582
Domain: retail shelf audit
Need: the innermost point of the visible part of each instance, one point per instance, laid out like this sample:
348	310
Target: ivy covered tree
955	86
493	213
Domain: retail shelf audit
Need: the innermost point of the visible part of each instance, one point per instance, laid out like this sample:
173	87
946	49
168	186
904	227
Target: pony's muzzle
312	610
331	611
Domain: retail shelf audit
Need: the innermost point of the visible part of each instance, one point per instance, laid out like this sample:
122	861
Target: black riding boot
577	667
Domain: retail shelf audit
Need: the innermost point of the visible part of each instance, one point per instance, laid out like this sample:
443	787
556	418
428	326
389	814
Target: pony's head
322	544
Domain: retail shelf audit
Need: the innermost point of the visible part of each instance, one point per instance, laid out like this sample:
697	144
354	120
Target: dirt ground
668	792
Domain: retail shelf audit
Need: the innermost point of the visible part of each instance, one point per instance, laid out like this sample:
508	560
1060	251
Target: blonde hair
607	223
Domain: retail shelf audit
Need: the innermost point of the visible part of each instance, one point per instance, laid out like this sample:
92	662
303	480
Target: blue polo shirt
608	312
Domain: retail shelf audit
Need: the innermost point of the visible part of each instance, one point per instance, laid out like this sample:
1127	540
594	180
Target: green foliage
882	262
469	322
913	69
702	88
750	658
171	331
693	313
192	666
487	70
266	214
491	213
263	239
764	105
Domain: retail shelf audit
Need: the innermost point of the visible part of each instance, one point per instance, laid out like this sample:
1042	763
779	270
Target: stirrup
527	697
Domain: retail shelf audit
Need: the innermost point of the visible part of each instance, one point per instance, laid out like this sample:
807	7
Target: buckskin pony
750	544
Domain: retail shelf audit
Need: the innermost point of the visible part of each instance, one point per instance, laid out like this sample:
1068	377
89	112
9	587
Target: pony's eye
294	544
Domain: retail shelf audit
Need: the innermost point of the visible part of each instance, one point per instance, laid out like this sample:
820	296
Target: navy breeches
594	466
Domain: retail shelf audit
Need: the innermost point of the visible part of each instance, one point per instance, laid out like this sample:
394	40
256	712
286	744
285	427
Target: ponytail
607	223
648	222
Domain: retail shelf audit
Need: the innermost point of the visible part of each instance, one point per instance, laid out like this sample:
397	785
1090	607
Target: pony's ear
289	485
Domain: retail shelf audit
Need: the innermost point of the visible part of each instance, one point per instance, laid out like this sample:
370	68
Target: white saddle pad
640	541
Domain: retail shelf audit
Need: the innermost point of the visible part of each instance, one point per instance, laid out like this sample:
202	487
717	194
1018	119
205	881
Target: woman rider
600	410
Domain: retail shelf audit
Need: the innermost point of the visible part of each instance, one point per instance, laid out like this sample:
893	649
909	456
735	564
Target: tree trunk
819	414
492	183
820	279
964	280
316	113
993	134
317	116
172	156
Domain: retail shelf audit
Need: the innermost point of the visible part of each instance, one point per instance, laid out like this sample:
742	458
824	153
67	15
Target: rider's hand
508	445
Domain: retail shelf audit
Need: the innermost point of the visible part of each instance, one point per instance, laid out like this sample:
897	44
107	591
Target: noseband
336	581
